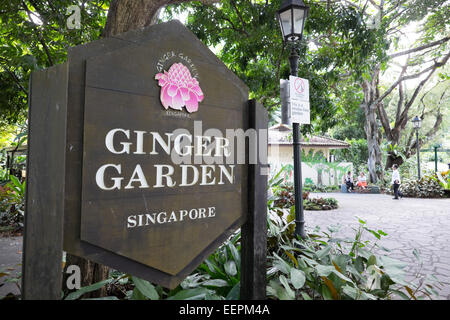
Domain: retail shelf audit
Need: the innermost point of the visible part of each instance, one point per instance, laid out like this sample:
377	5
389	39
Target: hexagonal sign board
147	112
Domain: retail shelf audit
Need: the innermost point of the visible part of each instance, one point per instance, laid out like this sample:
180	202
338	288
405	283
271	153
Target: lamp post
436	147
292	16
416	124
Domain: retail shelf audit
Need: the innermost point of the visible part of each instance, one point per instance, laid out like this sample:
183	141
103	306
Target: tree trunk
91	273
371	129
371	94
126	15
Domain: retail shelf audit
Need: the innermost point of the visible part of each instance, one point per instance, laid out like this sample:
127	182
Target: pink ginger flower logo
179	89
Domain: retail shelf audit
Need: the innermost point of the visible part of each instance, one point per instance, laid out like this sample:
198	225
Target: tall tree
247	38
428	54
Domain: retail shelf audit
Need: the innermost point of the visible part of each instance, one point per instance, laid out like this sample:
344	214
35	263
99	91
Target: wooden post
43	234
254	231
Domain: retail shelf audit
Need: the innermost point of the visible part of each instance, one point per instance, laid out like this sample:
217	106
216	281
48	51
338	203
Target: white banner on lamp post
299	100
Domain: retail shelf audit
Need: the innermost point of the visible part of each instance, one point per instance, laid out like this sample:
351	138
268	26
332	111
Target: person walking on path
396	182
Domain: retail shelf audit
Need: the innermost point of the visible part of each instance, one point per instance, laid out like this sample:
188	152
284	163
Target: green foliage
12	205
283	198
320	204
444	179
313	157
35	36
325	267
12	192
310	186
217	278
427	187
356	154
93	287
350	116
321	267
247	38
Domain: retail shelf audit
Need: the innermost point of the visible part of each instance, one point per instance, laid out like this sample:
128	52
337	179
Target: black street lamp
416	125
292	16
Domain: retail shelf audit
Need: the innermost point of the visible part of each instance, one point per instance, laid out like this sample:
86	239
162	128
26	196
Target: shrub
427	187
217	278
315	188
321	267
443	178
12	205
284	197
320	204
324	267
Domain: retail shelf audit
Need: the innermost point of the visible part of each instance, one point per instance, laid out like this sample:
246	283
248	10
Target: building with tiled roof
318	169
280	138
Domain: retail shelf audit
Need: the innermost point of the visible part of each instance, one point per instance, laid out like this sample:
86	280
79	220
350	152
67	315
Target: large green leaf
324	271
234	293
214	269
146	288
359	264
235	254
230	268
190	294
137	295
323	252
326	293
282	265
215	283
275	289
104	298
297	278
289	291
93	287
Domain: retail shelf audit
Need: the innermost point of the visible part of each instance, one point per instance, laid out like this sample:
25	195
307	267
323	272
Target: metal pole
298	190
435	159
418	153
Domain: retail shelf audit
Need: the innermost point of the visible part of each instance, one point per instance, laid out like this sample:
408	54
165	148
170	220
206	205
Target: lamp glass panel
286	22
299	17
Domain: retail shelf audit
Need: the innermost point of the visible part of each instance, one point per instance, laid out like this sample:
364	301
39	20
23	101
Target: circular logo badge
299	86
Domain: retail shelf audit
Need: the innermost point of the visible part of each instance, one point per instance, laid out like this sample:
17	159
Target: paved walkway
410	223
11	263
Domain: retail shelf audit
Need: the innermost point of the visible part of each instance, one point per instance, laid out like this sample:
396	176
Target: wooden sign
149	183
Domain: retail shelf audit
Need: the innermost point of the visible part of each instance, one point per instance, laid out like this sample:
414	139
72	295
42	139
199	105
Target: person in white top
362	181
396	182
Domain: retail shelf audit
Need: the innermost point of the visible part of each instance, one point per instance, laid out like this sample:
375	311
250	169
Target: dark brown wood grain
43	235
108	84
254	230
112	84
